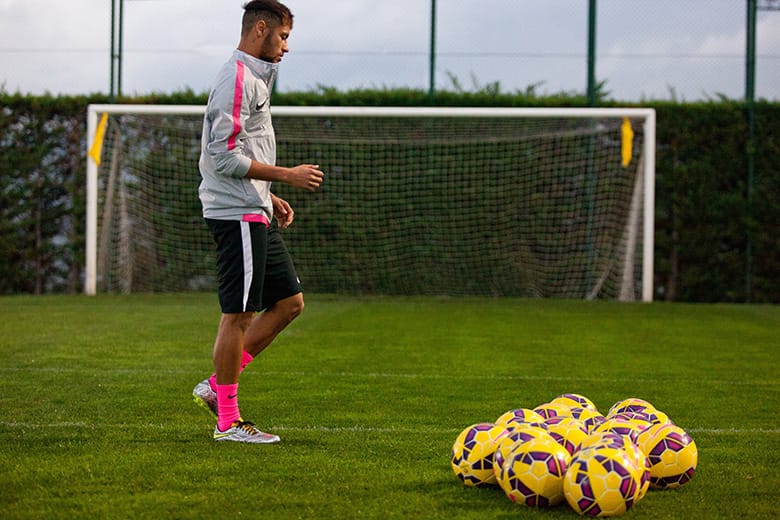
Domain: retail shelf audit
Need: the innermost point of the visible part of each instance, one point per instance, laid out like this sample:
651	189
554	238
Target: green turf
368	395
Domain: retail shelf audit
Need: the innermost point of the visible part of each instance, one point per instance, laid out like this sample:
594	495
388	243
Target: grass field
368	395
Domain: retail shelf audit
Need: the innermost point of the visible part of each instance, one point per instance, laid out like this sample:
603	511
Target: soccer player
259	290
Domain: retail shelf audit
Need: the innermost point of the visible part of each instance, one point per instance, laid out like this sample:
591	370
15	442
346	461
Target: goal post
569	198
94	150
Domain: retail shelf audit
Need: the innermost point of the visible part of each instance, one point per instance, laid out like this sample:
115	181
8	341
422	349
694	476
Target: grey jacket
236	129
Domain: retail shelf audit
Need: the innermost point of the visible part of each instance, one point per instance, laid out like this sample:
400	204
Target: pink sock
246	358
227	406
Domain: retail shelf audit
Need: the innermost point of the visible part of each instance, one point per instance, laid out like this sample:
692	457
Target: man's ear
261	27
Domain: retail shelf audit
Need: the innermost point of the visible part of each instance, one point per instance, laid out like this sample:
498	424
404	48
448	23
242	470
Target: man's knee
291	307
240	320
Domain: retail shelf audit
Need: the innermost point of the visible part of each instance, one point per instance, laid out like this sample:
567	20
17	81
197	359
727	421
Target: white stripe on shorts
246	243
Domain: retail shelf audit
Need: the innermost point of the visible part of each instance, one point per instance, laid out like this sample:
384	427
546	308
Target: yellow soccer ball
601	481
672	454
532	474
472	453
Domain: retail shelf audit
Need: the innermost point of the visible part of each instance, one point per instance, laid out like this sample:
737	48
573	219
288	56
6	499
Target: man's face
274	45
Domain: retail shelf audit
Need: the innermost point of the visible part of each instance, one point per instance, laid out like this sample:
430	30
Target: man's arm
304	176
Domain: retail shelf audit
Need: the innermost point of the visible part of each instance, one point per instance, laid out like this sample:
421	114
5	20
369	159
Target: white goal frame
648	156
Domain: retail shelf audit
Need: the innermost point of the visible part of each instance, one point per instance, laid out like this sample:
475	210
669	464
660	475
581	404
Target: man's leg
228	349
262	330
255	335
228	346
241	259
227	363
267	325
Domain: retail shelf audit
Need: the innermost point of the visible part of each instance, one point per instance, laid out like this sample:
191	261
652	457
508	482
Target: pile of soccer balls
566	450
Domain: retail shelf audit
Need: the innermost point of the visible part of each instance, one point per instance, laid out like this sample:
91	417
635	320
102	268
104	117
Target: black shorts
254	268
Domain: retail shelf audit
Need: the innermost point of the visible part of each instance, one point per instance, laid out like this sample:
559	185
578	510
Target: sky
645	49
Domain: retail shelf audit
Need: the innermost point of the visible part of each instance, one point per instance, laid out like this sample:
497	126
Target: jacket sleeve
226	113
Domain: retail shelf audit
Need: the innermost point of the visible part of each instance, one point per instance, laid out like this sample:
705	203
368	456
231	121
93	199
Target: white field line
379	375
326	429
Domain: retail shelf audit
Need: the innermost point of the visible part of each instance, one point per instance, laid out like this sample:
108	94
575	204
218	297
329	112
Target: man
237	166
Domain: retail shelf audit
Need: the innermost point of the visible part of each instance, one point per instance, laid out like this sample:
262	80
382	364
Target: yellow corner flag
97	144
627	142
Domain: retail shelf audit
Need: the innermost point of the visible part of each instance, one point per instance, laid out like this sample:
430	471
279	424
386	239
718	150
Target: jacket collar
264	70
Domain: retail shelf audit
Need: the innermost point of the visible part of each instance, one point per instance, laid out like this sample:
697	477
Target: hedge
704	223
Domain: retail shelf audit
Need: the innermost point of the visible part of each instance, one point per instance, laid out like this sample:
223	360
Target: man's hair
273	12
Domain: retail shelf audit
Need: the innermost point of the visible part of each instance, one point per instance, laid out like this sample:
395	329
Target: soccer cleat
244	431
205	397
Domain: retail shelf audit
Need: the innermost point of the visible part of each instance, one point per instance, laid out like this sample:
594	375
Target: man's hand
282	211
306	176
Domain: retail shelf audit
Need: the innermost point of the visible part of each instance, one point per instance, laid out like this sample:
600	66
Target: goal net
416	201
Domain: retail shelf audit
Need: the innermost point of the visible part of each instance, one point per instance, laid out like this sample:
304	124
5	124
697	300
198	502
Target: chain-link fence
656	49
644	49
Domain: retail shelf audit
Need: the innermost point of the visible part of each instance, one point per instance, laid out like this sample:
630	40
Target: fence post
592	53
432	57
750	94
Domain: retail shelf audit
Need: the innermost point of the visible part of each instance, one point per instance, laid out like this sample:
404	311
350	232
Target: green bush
704	224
